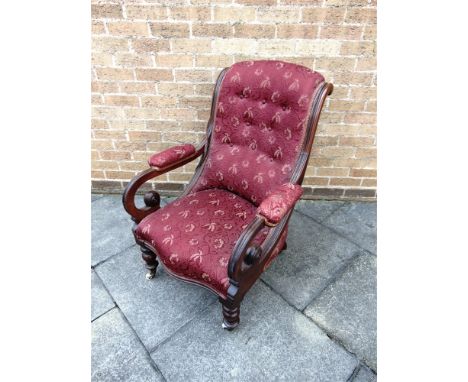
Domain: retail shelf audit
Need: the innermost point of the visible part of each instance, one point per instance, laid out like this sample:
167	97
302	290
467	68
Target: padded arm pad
275	206
170	156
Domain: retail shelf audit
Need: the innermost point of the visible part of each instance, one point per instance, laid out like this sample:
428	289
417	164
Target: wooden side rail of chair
245	255
247	263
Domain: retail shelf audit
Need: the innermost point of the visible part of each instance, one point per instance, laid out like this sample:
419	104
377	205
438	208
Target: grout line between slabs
339	342
152	363
335	210
334	278
335	231
112	256
162	342
358	369
102	314
354	373
148	355
329	335
301	312
340	205
98	196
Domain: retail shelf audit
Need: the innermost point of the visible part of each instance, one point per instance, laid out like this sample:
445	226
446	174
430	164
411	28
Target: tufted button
241	96
247	124
264	102
284	107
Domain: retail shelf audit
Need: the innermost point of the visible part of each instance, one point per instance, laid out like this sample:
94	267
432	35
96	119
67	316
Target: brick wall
154	65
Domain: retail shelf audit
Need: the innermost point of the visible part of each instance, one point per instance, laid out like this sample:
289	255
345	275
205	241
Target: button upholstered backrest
259	127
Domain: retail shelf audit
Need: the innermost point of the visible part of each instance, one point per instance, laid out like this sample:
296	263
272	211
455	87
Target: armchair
232	219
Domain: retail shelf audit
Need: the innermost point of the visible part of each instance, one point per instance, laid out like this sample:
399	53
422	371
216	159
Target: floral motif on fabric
172	155
279	202
199	246
260	125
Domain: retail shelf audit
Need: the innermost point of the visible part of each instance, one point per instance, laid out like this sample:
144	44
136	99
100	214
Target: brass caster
228	326
151	273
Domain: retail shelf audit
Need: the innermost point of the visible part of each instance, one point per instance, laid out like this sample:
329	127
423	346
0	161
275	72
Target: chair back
260	124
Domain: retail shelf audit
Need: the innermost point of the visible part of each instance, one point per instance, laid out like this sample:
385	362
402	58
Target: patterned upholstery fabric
274	207
259	128
171	155
260	125
195	235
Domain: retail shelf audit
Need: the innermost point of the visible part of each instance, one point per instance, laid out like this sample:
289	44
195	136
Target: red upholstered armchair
232	219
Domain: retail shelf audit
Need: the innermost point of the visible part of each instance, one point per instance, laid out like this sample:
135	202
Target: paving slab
117	354
357	221
273	342
314	256
155	308
96	197
318	209
347	309
101	301
167	199
110	228
365	212
365	375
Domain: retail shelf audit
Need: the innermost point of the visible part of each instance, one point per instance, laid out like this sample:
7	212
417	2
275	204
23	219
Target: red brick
154	74
170	30
323	15
254	30
127	28
150	45
363	172
146	12
212	30
297	31
112	11
119	100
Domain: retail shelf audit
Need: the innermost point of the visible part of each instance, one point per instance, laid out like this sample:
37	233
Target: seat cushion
194	236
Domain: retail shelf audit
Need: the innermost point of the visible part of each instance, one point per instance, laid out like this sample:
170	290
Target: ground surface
311	317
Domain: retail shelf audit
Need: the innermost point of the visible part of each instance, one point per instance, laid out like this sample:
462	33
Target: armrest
244	254
275	206
170	156
274	211
152	198
248	257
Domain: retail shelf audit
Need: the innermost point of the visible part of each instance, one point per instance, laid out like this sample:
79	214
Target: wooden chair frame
247	261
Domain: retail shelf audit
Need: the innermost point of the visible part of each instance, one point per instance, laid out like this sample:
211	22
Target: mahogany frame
247	261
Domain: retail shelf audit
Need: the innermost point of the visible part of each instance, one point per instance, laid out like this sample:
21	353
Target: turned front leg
151	262
231	312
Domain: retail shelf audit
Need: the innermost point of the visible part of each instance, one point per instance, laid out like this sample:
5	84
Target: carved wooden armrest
168	160
246	255
274	211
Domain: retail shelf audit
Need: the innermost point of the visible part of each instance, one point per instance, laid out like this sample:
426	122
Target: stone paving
311	317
